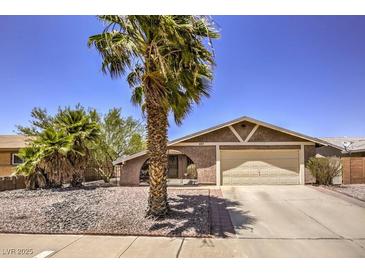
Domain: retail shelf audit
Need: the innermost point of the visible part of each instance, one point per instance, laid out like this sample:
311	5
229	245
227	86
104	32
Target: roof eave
123	159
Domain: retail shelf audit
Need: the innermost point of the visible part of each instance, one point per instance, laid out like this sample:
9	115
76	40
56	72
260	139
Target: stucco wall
220	135
203	157
327	151
243	128
264	134
129	172
309	151
6	169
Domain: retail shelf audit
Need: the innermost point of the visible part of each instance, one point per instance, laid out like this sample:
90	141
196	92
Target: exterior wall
327	151
6	168
309	151
182	162
129	172
243	129
220	135
204	159
264	134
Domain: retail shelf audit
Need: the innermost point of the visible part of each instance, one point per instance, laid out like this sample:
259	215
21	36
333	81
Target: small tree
324	169
119	136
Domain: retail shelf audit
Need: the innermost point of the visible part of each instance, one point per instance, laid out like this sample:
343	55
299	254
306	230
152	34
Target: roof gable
220	135
247	132
252	121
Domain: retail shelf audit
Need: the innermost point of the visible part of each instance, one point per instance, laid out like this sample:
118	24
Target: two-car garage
241	167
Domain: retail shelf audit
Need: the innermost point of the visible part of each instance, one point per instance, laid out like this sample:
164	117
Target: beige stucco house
9	147
238	152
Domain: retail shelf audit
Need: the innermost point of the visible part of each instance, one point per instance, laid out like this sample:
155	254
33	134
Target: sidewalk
84	246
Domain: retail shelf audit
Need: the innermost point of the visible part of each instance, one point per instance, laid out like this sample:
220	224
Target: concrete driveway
270	221
297	220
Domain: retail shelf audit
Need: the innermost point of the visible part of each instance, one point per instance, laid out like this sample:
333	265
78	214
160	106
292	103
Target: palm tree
169	61
78	125
45	160
60	152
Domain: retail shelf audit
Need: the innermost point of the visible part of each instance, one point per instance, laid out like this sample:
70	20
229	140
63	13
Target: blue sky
303	73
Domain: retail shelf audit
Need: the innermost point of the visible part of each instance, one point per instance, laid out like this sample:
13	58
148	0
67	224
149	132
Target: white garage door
241	167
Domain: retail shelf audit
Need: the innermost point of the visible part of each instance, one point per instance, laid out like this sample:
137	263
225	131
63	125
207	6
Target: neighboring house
354	146
238	152
9	147
352	157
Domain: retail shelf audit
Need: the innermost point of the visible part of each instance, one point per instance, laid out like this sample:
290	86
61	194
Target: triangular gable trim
227	124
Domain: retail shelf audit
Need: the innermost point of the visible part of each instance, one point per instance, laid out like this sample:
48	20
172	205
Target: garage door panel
273	164
259	181
260	167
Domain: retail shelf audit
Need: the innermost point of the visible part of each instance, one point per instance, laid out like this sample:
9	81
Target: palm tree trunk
157	150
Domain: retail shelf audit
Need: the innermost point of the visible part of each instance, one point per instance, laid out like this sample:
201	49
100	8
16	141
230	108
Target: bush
191	171
324	169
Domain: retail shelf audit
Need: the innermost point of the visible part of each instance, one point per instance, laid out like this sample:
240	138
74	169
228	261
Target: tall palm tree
169	62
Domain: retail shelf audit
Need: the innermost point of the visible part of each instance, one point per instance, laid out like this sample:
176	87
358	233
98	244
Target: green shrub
324	169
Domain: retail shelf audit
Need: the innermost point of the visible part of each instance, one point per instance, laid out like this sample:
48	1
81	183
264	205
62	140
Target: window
15	159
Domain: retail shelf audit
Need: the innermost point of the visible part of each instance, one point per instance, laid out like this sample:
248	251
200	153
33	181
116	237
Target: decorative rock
109	210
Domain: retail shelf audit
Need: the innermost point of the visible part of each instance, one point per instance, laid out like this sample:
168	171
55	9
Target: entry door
242	167
172	171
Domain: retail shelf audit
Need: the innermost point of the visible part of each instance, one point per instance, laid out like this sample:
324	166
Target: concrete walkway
84	246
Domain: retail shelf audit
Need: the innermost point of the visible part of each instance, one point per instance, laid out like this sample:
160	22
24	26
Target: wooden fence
353	170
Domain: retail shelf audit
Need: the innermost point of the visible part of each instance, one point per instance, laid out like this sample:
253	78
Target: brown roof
13	141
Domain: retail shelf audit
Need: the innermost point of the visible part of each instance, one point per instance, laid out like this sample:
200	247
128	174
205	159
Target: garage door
241	167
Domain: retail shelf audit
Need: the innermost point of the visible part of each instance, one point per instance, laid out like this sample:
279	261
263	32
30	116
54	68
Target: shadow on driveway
206	215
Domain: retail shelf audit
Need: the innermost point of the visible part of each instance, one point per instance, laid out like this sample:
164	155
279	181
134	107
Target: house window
15	159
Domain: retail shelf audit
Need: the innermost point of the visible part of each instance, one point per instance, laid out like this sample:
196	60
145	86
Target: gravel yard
355	191
103	210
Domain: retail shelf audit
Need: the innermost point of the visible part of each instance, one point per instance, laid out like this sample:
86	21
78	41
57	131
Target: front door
172	170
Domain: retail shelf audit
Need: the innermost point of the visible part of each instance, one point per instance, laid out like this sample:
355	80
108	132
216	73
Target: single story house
238	152
9	147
